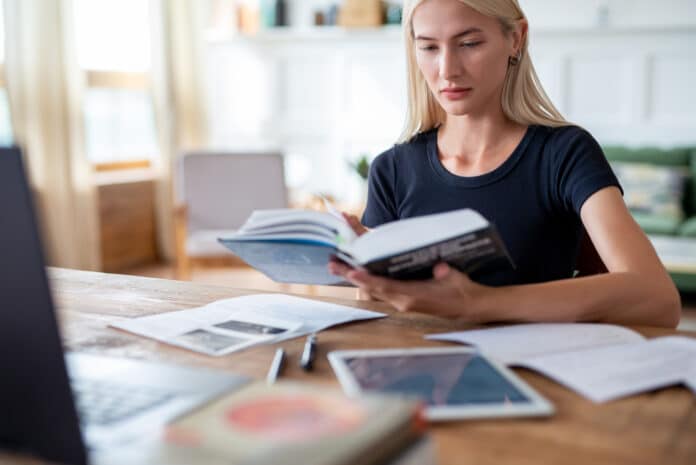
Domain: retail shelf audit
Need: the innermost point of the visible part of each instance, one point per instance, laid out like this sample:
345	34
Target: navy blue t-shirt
533	198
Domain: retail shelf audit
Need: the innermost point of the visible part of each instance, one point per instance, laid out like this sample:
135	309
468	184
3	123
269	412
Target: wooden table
654	428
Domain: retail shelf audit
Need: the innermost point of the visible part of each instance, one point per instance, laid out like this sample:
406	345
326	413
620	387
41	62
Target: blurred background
150	127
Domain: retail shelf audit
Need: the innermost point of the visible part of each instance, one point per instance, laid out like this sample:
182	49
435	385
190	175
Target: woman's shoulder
565	138
421	139
415	147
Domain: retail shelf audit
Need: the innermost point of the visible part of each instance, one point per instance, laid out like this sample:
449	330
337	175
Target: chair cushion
652	189
205	243
654	224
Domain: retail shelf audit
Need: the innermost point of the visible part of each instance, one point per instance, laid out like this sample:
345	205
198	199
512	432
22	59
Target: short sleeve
581	168
381	207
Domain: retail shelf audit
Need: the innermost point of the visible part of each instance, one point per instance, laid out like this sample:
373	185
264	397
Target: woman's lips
456	93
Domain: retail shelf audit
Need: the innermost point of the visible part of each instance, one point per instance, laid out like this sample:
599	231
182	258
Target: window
5	122
113	40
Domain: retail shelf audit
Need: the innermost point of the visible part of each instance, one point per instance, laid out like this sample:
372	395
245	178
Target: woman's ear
519	33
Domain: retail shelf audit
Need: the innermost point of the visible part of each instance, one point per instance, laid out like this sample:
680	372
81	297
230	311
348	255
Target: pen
308	353
276	366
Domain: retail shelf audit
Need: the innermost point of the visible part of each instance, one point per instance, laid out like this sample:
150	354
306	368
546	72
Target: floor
247	278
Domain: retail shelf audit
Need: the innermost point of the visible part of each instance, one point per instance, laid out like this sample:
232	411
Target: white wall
633	86
322	97
564	14
624	69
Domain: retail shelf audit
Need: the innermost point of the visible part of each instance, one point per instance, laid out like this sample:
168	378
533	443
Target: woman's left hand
449	293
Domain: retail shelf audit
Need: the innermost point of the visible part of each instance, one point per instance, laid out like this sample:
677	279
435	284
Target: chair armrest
180	224
181	210
183	270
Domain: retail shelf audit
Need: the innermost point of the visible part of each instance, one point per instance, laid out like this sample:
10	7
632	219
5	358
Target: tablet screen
438	379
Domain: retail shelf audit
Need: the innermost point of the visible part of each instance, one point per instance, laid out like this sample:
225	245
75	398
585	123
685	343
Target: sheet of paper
690	382
607	373
331	209
225	326
516	343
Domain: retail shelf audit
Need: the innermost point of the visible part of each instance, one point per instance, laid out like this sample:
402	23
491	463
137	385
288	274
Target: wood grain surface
127	224
653	428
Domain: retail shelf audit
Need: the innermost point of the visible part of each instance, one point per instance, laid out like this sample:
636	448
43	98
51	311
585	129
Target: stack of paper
600	362
233	324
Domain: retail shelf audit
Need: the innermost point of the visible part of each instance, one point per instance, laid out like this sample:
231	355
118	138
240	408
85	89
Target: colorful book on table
290	423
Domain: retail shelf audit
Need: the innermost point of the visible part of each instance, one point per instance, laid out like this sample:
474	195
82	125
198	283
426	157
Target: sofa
660	191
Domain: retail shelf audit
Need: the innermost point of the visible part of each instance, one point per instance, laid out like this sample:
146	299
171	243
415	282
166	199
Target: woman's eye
470	44
428	48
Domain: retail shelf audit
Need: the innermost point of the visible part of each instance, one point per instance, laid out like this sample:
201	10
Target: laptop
60	407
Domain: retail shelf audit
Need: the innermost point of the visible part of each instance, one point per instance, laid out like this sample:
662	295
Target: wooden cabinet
127	224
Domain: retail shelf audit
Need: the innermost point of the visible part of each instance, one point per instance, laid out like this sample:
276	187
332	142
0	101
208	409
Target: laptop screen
37	413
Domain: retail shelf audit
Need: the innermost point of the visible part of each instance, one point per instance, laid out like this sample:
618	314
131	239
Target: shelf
315	33
394	33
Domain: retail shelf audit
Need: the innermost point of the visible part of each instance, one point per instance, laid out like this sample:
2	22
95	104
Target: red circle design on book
296	417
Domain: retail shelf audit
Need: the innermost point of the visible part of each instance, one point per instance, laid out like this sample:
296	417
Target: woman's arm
637	290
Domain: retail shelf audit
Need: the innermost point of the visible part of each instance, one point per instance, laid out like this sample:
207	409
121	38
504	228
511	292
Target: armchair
216	194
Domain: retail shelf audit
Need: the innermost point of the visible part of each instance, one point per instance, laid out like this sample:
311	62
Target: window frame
132	80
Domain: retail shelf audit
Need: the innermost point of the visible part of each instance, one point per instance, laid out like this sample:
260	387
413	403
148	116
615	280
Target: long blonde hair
523	100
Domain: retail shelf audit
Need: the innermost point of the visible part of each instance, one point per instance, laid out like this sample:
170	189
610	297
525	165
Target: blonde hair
523	99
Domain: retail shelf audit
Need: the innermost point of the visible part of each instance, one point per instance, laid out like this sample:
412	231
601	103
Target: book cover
294	262
295	246
471	253
291	423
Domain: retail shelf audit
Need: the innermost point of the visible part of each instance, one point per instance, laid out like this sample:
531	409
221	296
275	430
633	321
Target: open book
599	361
295	246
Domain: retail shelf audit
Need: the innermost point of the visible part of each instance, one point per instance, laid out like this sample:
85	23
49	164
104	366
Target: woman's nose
450	65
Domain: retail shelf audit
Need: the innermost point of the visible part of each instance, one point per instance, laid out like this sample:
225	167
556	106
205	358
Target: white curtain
43	82
179	99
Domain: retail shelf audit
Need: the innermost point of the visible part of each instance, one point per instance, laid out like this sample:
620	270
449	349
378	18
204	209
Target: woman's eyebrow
465	32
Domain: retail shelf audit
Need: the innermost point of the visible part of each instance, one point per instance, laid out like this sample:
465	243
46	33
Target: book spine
466	253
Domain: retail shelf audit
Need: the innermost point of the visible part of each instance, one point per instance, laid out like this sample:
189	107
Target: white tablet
454	382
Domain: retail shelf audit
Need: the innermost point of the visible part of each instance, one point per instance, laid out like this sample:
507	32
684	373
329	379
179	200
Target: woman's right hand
354	223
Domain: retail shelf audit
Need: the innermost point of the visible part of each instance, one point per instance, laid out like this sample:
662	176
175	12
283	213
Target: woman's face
462	54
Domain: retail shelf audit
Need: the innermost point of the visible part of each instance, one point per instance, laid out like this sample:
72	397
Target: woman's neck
470	146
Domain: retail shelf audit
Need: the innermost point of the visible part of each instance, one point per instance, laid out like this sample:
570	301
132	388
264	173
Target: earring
514	61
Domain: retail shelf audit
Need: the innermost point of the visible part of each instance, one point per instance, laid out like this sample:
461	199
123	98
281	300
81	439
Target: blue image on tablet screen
442	379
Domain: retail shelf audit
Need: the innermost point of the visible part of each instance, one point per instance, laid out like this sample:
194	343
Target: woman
482	134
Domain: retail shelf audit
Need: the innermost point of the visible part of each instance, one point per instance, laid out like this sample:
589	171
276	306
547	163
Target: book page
331	208
516	343
607	373
228	325
278	221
